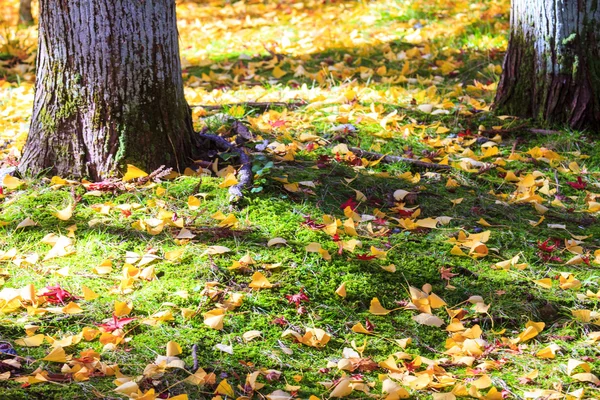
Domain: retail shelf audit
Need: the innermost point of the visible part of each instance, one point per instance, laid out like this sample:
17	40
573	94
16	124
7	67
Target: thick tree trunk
552	66
25	16
109	89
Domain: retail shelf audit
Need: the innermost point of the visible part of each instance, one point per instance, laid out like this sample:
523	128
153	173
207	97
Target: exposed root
244	173
254	104
369	155
6	171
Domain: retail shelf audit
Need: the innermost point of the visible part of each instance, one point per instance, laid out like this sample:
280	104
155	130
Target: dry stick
369	155
245	172
253	104
519	128
195	358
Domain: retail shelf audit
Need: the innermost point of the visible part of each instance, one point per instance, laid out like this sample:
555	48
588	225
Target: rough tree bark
552	65
109	90
25	16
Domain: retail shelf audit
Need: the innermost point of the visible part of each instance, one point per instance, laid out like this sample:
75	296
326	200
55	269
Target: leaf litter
376	108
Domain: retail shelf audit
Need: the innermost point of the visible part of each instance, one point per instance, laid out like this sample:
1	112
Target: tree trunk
25	16
109	90
551	71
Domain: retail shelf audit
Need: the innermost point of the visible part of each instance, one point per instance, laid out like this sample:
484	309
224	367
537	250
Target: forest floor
337	276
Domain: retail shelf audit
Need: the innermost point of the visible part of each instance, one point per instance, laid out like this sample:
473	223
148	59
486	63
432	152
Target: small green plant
261	168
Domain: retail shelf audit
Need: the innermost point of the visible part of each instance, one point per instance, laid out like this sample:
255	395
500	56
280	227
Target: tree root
254	104
244	173
369	155
6	171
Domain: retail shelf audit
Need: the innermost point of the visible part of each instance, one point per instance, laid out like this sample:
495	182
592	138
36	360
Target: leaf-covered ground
475	276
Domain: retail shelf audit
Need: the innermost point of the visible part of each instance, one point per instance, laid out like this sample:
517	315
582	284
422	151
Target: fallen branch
244	173
522	128
254	104
369	155
195	358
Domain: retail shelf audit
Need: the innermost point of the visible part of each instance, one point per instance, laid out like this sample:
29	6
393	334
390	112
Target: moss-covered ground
412	79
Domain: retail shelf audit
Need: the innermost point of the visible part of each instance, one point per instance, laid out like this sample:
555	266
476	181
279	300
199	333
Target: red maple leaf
278	123
406	213
297	298
447	273
116	323
410	366
365	257
545	246
57	295
349	203
281	321
579	185
309	222
323	161
586	259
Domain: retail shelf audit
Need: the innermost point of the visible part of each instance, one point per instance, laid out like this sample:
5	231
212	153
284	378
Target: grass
341	86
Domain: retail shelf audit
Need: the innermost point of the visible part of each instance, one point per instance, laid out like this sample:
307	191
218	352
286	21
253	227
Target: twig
245	172
195	358
254	104
544	131
519	128
466	271
369	155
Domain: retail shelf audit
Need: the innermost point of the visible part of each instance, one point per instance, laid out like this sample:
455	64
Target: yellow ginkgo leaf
359	328
389	268
278	72
276	241
587	377
548	352
483	382
214	318
574	364
483	222
173	349
193	203
532	329
133	173
248	336
428	320
546	283
122	308
225	389
65	214
72	308
259	281
56	355
456	251
31	341
341	290
229	180
212	250
174	255
436	301
377	309
88	294
342	389
10	182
